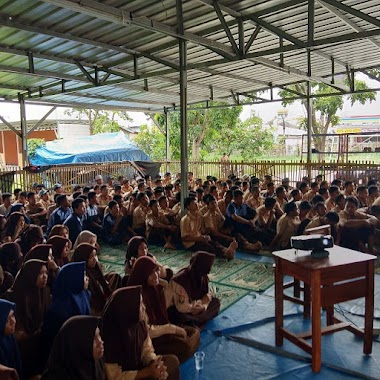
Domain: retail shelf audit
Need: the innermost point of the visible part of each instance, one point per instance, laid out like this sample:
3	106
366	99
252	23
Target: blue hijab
69	299
9	351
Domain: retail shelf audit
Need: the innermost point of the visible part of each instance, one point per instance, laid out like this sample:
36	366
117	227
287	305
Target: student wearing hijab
100	286
77	351
6	281
10	258
61	249
138	247
31	236
189	294
87	237
9	351
15	227
44	252
32	298
70	297
166	337
128	350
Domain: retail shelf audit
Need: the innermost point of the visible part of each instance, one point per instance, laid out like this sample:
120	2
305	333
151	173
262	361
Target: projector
315	243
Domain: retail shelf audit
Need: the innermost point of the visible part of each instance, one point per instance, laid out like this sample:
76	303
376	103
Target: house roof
123	54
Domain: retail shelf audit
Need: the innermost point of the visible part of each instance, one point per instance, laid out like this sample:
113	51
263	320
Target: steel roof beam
121	17
225	27
310	22
69	37
349	22
354	12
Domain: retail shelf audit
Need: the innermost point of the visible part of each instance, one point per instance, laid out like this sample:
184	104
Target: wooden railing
360	172
68	175
84	174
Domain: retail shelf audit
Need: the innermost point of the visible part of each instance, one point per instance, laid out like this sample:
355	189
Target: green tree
152	141
100	121
33	144
324	109
217	130
247	139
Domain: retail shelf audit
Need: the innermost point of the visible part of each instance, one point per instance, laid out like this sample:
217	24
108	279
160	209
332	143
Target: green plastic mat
230	280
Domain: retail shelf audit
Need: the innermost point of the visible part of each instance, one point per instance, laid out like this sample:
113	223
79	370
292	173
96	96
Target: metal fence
84	174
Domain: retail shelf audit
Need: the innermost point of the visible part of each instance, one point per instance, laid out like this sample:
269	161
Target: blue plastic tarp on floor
104	147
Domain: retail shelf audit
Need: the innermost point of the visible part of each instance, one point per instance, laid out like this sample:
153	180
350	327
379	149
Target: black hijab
123	331
71	356
10	258
153	296
32	302
194	278
9	351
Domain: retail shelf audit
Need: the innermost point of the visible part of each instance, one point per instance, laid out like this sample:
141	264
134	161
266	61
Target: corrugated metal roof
124	54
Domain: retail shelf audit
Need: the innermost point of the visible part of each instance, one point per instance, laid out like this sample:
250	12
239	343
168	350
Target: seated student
330	219
317	220
128	349
60	230
266	220
103	198
87	237
242	219
192	232
44	252
253	197
158	228
32	298
356	227
166	338
77	351
225	201
60	249
286	227
76	221
139	214
7	203
138	247
114	225
31	236
11	258
166	210
362	196
304	216
373	195
6	281
188	296
9	351
93	216
69	297
340	202
100	286
60	214
214	226
35	210
15	227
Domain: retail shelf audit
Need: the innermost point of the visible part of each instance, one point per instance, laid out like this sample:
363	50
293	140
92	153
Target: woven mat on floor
230	280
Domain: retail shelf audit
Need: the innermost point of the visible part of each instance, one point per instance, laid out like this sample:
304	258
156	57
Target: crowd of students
62	317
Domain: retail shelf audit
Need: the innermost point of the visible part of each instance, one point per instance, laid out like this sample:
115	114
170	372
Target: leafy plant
33	145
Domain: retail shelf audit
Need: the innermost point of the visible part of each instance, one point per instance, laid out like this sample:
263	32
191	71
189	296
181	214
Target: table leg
279	302
306	301
316	320
369	308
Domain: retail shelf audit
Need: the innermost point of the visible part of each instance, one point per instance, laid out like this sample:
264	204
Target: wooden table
344	275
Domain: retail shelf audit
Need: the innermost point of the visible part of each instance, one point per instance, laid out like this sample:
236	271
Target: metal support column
167	137
309	127
183	106
24	131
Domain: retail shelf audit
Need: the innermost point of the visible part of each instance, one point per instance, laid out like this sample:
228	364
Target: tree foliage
324	108
217	130
33	144
100	121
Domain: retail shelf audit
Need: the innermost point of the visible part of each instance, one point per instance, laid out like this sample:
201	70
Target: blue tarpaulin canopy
104	147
